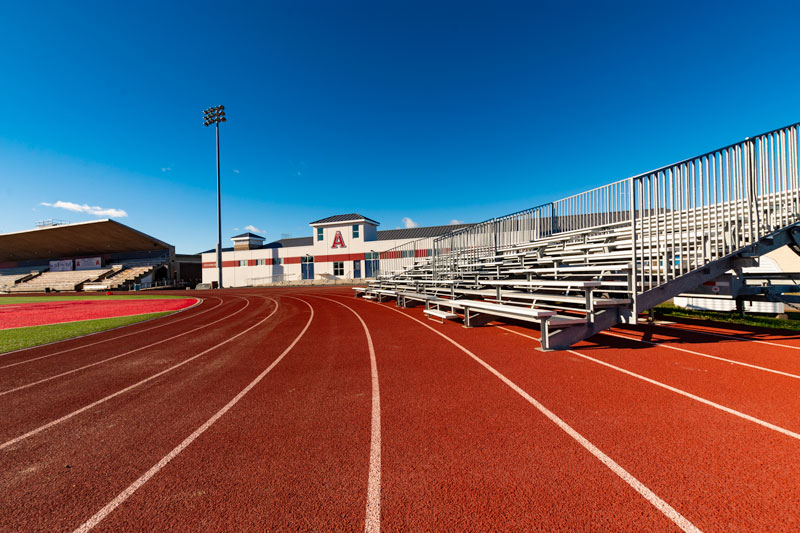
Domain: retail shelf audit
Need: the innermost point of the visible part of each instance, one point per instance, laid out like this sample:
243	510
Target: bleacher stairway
603	256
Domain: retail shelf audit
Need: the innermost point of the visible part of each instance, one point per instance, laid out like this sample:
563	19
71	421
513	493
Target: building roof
290	243
385	235
248	235
418	233
352	217
76	240
282	243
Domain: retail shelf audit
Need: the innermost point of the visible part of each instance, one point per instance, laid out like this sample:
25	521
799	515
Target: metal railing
677	218
406	256
268	280
708	207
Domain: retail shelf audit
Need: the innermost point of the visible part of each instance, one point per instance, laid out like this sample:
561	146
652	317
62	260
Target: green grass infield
18	338
8	300
792	322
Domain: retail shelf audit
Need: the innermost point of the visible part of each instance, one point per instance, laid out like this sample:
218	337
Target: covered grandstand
96	255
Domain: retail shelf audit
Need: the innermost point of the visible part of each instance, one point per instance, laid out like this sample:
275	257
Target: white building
340	247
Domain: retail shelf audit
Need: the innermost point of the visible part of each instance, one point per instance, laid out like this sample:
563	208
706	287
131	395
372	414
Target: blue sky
431	111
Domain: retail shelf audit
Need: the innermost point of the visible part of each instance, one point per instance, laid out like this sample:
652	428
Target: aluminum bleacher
603	256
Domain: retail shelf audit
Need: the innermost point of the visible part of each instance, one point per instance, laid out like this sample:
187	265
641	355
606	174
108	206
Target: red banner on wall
88	263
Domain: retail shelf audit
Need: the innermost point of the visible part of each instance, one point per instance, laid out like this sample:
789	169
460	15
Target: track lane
373	511
92	339
776	355
109	447
37	408
50	313
80	348
720	330
463	451
18	379
293	454
699	459
767	396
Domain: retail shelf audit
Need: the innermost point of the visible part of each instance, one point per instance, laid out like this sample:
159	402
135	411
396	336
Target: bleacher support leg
545	333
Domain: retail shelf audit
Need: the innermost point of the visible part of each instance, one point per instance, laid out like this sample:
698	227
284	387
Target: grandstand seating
603	256
121	277
69	280
10	277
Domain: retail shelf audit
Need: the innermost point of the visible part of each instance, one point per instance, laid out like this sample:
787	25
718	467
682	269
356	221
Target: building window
277	261
320	234
242	262
338	268
356	269
356	231
261	262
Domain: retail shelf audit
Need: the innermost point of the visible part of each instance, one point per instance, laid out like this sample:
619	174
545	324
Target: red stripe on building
297	260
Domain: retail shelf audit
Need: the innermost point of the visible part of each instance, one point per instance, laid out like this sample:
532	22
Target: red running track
38	314
264	418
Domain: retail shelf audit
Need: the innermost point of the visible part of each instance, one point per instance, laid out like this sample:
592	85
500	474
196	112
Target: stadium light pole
215	115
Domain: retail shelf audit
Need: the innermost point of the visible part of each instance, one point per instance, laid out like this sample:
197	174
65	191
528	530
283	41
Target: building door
307	267
356	269
371	264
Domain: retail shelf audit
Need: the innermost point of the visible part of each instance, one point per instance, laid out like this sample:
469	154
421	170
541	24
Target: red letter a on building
338	241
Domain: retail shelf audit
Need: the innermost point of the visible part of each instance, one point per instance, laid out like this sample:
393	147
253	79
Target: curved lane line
372	523
106	331
68	372
130	387
133	487
664	324
66	322
668	511
664	345
734	412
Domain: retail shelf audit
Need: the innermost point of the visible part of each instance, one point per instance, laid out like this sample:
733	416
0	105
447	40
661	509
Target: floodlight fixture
215	115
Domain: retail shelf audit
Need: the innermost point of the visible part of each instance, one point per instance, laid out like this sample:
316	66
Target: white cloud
454	222
88	209
408	223
253	229
235	170
165	169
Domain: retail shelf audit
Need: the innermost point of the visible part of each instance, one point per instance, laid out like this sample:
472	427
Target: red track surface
37	314
253	411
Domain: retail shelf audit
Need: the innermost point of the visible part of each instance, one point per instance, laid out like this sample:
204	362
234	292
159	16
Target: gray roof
418	233
290	243
344	218
250	235
385	235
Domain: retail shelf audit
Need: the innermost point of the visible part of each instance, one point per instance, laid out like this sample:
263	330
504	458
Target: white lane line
734	412
709	356
133	487
668	511
68	372
106	331
130	387
664	324
372	523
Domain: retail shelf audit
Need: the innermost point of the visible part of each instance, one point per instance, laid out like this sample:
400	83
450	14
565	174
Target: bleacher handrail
755	180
